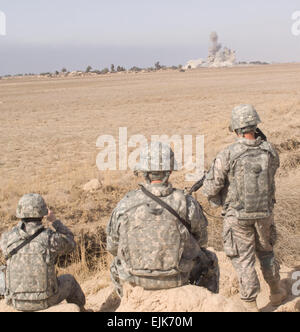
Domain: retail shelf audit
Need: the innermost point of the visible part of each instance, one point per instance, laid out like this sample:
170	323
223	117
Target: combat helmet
244	117
158	160
31	206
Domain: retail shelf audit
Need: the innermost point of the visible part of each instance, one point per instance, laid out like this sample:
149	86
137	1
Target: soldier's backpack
251	190
206	272
30	276
152	241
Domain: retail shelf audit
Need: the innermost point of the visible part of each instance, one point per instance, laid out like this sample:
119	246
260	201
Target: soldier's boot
251	306
278	294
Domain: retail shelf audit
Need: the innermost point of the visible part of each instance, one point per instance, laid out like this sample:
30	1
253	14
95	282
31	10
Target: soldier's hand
51	216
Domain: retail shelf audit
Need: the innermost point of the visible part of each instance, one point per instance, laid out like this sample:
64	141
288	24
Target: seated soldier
31	252
157	233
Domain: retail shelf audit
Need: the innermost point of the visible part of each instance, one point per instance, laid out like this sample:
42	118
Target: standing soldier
156	233
31	252
241	179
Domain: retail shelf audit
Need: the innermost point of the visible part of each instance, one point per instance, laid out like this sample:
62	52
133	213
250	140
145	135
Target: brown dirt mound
183	299
293	306
191	298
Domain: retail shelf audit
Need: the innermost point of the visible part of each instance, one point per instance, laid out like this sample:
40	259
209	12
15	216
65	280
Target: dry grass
49	128
89	258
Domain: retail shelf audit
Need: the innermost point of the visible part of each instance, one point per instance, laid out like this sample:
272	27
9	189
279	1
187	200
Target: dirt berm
183	299
192	298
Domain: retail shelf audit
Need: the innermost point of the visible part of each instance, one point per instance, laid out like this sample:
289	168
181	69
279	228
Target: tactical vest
251	182
30	275
152	243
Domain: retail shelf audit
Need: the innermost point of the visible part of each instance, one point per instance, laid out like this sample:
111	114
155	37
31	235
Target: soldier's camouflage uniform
31	280
248	199
152	248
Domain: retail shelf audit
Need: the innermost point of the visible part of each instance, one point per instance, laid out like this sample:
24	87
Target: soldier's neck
250	136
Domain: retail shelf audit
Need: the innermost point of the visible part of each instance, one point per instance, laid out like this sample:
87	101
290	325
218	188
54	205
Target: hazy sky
47	35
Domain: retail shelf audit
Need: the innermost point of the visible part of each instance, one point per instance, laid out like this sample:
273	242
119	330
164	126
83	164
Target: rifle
197	185
259	133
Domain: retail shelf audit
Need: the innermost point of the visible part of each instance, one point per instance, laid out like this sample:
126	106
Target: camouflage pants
243	240
68	289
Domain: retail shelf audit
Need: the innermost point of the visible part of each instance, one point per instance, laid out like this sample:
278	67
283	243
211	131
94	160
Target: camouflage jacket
221	183
30	274
148	241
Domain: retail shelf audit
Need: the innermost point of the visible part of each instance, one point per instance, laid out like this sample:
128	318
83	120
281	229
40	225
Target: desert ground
49	128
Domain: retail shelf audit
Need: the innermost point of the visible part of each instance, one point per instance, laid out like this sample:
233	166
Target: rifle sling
172	211
166	206
23	244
